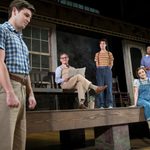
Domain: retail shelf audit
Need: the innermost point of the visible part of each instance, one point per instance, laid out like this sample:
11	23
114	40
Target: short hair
20	4
103	40
63	53
139	68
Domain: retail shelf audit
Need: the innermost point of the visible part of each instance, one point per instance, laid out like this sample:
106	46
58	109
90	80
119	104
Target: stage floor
50	141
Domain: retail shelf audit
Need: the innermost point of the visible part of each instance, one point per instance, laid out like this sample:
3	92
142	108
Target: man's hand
12	99
32	102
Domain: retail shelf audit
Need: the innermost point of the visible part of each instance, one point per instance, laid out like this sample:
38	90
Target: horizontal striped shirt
16	51
104	59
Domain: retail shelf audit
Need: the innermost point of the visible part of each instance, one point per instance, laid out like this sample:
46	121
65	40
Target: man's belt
23	80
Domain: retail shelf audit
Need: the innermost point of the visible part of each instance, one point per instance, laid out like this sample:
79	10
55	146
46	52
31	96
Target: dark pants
104	77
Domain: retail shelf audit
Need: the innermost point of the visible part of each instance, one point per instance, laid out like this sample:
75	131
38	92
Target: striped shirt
104	59
16	51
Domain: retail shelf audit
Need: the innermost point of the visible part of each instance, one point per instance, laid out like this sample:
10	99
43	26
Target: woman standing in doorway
104	62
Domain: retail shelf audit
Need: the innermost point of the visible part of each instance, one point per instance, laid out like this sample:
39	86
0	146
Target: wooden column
112	137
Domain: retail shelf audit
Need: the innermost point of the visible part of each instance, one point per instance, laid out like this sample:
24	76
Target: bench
107	123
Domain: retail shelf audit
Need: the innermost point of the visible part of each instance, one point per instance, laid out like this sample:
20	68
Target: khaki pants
80	83
13	120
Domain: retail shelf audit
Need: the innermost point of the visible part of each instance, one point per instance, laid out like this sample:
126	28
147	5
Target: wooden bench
108	123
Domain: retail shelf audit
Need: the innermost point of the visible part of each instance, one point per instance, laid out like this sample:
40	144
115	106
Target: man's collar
11	28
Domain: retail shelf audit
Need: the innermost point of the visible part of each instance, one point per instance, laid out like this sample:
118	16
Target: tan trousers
80	83
13	120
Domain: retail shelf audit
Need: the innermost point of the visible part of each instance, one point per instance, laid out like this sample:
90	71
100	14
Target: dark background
131	11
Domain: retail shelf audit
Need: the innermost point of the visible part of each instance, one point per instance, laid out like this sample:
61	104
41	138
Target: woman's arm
135	92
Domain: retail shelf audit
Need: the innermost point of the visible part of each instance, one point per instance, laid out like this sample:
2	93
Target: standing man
104	62
145	61
14	77
75	82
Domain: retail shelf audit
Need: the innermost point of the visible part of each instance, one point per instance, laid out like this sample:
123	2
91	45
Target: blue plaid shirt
16	51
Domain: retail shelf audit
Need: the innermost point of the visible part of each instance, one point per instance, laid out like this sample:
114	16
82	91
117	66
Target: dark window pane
36	45
35	60
44	34
44	47
135	59
28	43
30	58
35	70
45	61
27	32
36	33
45	70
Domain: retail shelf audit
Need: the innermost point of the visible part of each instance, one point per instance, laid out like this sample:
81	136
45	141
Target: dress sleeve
136	83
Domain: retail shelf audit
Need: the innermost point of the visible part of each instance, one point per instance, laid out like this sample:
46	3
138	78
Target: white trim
53	46
128	64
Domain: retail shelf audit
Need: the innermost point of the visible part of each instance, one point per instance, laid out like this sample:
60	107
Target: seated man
78	81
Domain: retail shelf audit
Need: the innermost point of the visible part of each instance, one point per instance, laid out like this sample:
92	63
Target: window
37	40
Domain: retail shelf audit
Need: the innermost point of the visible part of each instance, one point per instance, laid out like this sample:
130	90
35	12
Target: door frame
128	64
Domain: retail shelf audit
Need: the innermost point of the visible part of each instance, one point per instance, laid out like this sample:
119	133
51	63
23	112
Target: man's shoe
82	106
100	89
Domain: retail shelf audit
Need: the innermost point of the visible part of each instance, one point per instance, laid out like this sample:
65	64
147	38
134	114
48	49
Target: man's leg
100	82
81	95
71	84
108	82
20	130
6	133
8	118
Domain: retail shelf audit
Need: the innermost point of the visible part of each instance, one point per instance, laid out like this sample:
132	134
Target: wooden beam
56	120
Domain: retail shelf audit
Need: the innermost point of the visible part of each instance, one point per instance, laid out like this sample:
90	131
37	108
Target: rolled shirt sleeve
2	38
58	78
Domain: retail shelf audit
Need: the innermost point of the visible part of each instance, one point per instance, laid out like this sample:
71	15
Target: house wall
82	30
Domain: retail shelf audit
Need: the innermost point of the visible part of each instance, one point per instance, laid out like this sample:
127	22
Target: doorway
132	53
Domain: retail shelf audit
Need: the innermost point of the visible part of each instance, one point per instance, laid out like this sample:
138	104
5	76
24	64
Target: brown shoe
82	106
100	89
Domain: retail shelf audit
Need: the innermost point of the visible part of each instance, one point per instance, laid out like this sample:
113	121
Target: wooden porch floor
50	141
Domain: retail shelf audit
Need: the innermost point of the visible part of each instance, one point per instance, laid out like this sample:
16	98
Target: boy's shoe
101	107
110	107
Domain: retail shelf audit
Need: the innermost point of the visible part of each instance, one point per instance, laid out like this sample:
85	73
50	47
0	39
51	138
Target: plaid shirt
16	51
